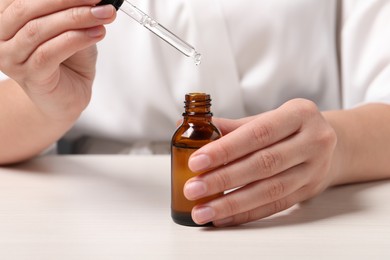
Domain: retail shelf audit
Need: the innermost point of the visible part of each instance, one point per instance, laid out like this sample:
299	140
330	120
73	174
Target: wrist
340	158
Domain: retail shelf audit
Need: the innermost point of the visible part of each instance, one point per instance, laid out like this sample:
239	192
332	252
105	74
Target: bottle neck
197	106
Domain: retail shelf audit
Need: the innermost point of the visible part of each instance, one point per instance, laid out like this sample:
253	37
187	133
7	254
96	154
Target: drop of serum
197	58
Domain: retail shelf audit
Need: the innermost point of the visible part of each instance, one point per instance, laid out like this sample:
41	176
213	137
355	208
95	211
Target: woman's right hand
49	49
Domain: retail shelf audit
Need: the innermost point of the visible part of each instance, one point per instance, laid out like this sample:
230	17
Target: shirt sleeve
365	52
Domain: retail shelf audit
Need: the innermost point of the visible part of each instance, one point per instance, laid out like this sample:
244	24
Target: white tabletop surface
118	207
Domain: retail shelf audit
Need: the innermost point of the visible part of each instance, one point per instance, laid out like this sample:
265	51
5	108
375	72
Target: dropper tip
197	58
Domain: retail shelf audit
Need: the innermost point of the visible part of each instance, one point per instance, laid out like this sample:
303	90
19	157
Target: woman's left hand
271	161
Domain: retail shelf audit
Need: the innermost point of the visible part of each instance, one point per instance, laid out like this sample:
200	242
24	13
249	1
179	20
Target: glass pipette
162	32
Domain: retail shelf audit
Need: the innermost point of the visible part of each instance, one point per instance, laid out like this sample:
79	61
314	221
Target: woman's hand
272	161
48	48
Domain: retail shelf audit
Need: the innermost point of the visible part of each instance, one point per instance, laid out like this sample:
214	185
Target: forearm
363	147
24	130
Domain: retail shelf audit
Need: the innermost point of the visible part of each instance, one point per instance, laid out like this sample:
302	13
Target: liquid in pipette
159	30
172	39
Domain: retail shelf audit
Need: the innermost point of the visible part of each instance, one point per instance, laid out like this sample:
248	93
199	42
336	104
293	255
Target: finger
264	211
4	4
251	196
37	32
19	12
228	125
259	165
261	132
44	61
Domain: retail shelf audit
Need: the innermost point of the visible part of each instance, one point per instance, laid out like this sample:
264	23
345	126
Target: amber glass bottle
196	130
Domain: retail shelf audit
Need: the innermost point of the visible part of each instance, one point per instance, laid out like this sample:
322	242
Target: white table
118	207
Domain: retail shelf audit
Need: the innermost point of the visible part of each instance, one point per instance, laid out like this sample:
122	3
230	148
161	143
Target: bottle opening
197	103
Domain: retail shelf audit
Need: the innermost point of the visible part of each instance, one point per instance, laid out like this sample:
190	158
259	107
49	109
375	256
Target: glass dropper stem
159	30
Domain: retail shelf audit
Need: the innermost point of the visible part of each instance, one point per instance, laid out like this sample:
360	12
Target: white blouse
256	54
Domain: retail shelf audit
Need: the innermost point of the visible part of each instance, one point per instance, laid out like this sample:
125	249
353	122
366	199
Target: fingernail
194	190
199	163
95	32
224	222
102	12
203	215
